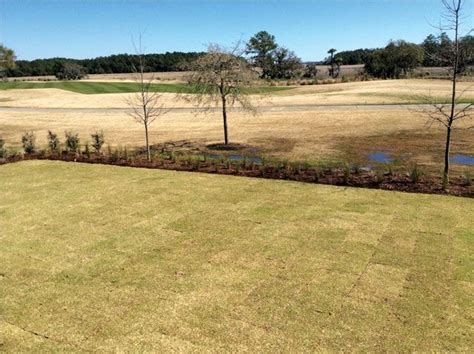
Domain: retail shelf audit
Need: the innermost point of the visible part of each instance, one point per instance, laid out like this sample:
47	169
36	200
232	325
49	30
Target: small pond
463	159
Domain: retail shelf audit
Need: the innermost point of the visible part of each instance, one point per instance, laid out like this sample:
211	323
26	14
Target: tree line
434	47
113	64
398	58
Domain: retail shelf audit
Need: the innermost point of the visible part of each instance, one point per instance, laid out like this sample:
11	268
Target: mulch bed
334	176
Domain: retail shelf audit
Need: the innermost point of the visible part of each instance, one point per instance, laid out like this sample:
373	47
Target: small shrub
173	157
28	140
87	150
120	152
109	150
379	177
347	173
317	175
3	151
415	173
97	141
115	155
357	168
72	142
467	179
53	142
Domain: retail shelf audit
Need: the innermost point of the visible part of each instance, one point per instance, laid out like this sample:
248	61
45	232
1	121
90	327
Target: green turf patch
90	87
100	258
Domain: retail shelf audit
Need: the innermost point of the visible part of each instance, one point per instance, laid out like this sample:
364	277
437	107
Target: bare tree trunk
446	159
224	117
148	152
453	96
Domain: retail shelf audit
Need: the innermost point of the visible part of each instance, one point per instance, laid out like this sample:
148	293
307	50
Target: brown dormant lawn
109	258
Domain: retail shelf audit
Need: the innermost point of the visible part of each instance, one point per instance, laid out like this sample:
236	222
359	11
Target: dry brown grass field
309	133
368	92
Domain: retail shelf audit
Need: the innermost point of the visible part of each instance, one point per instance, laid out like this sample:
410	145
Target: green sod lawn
89	87
99	258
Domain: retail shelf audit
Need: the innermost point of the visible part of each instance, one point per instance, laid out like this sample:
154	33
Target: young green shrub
346	173
125	153
467	179
97	141
173	156
87	150
29	142
120	152
304	166
317	174
379	177
3	150
357	168
115	155
195	162
53	142
415	173
72	142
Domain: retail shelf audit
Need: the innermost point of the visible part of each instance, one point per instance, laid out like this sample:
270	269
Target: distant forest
113	64
433	50
353	57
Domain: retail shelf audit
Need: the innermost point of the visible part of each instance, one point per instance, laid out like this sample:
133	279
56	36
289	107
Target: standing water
463	159
380	157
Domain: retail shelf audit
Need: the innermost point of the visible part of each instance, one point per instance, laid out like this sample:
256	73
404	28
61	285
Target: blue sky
90	28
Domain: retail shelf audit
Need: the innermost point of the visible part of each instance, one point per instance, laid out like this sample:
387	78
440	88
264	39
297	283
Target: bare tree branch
146	106
447	114
222	77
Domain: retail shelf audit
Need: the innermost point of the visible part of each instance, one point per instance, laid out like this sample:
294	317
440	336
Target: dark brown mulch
361	179
228	147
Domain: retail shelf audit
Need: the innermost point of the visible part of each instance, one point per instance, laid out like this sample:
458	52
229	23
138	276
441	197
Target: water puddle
463	159
256	160
380	157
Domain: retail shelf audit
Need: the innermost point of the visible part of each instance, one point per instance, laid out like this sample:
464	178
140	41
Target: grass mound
108	258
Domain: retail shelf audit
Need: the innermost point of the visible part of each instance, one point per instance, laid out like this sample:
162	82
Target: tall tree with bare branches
222	77
449	114
145	104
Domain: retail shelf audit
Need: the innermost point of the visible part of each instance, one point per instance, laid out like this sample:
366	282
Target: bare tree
448	114
145	104
222	77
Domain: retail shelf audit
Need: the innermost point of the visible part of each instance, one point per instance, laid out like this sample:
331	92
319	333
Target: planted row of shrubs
285	169
71	143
